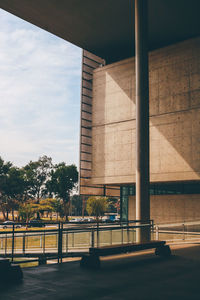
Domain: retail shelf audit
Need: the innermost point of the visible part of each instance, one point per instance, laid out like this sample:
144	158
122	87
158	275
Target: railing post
60	230
152	229
61	240
24	243
57	239
122	238
40	240
44	241
157	233
98	234
72	239
92	238
6	245
127	233
58	243
183	231
13	241
1	243
66	238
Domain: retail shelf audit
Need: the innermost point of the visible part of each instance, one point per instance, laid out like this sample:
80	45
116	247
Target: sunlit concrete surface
136	276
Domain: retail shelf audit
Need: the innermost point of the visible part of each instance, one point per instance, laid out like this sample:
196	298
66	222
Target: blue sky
39	94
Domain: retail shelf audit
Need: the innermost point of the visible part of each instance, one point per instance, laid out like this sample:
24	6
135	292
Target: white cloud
39	93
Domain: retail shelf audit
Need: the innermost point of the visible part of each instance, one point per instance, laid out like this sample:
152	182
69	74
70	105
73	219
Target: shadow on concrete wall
174	112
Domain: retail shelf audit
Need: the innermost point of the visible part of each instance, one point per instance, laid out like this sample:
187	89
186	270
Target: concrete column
142	116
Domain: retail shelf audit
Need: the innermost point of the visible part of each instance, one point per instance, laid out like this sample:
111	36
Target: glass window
157	189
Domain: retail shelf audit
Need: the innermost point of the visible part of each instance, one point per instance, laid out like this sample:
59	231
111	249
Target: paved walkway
136	276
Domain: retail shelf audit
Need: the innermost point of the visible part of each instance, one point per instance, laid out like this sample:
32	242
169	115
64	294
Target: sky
40	80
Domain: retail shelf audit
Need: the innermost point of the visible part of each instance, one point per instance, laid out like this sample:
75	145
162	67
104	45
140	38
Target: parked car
110	217
9	224
91	220
117	218
81	220
74	220
35	223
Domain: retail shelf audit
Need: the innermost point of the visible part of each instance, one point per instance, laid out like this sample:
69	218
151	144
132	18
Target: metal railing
59	240
182	231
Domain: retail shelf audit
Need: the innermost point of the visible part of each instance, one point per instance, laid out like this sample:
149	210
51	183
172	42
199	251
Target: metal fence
183	231
60	240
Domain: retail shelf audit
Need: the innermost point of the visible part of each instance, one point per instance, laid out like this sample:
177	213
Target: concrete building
174	81
114	107
108	140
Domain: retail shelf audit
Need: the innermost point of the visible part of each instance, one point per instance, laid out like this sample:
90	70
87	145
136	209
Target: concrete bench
91	260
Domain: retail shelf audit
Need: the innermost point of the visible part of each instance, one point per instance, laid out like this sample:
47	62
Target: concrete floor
136	276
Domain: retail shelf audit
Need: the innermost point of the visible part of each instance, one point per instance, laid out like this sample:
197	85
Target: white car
9	224
74	220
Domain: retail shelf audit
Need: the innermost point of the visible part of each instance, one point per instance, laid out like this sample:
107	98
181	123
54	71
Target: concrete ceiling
106	27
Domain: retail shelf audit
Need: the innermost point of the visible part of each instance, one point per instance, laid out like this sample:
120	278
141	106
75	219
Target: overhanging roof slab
106	27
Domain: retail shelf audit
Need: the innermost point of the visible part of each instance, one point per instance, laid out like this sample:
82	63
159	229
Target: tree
50	205
14	188
57	208
118	206
27	211
76	202
97	206
4	169
113	205
37	174
63	181
45	206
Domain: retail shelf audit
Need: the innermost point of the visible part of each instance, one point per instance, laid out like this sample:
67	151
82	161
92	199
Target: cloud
39	93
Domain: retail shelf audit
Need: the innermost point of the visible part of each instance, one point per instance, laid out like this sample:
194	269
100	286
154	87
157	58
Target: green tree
37	173
50	185
63	181
4	170
14	188
97	206
50	205
76	202
27	211
113	205
45	206
57	208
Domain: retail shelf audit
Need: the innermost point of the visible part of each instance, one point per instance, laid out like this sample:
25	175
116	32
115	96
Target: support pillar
142	117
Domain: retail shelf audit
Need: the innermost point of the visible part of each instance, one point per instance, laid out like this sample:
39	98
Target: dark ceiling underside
106	27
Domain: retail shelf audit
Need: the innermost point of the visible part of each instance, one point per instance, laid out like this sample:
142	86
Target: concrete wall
170	208
174	117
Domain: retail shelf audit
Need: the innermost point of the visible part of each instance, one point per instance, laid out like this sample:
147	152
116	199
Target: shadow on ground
142	276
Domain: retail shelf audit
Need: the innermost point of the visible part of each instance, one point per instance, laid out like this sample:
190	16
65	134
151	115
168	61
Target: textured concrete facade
170	208
174	117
